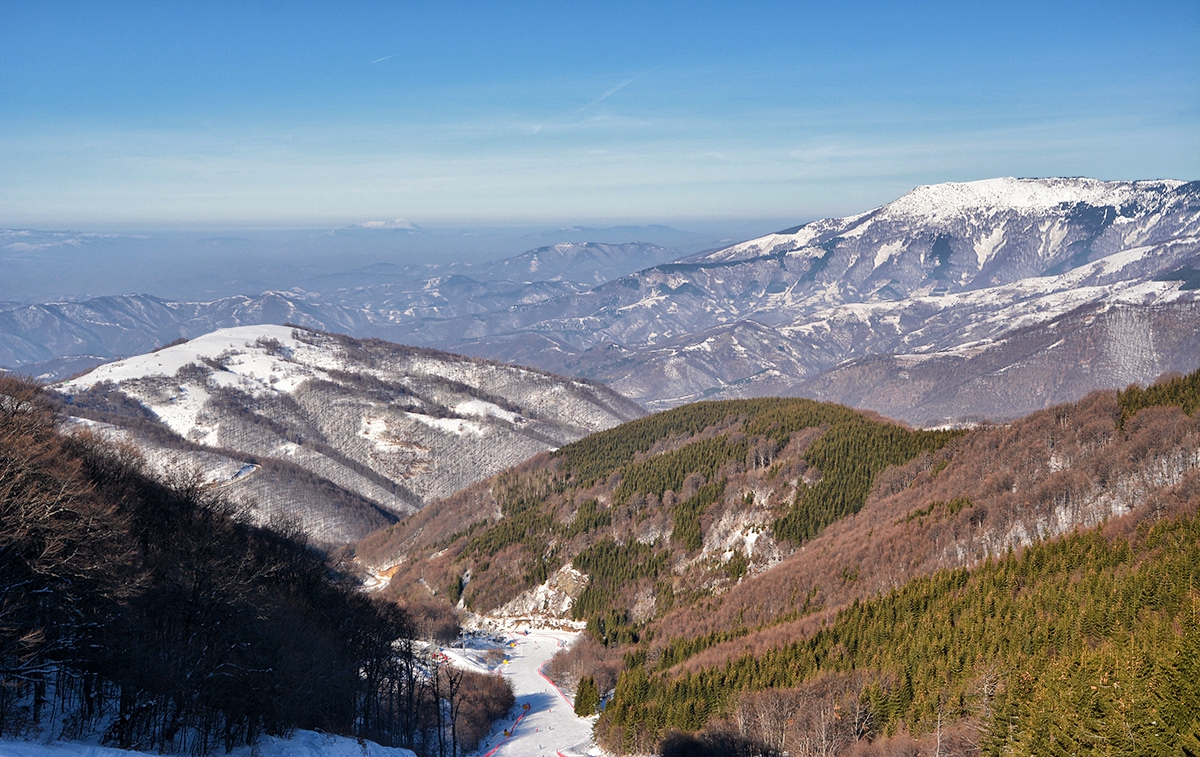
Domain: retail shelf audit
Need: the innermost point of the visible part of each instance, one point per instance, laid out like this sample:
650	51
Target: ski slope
550	727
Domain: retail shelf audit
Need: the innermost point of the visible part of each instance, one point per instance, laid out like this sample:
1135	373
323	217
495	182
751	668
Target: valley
728	559
728	567
600	379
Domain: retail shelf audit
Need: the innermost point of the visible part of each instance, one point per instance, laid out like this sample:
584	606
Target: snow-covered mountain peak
978	207
262	356
934	201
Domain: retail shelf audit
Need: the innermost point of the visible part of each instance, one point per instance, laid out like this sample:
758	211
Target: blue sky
456	112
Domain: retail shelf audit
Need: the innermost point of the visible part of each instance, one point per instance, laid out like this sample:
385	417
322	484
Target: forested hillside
657	512
157	618
785	575
946	612
1089	642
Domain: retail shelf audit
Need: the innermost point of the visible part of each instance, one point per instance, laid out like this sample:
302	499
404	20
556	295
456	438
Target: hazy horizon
209	262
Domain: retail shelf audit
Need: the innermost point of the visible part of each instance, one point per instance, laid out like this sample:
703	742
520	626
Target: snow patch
484	409
181	413
986	247
300	744
375	429
456	426
888	251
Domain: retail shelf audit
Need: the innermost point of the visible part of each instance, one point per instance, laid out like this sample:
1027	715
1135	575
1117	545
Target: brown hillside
995	489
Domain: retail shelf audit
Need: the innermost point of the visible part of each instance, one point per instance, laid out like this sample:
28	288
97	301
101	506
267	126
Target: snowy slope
1002	209
549	727
301	744
249	361
378	428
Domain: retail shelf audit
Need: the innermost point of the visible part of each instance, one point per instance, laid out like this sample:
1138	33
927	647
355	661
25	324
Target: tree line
849	456
1177	391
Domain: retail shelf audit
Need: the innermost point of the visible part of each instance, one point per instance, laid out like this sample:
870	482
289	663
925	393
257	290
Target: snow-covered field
549	728
301	744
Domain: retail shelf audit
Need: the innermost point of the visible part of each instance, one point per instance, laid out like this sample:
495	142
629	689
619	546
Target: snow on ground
167	361
301	744
550	727
482	409
256	359
950	199
456	426
1006	307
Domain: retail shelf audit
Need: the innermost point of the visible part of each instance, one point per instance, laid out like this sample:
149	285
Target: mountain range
958	279
998	589
54	340
955	302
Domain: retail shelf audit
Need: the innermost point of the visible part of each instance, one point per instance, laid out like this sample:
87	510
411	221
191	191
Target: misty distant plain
203	264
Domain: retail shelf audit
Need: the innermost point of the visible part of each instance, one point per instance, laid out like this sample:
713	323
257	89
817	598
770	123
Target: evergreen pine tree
587	698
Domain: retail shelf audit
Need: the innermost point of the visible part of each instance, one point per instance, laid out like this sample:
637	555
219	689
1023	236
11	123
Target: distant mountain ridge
52	340
957	282
339	435
584	263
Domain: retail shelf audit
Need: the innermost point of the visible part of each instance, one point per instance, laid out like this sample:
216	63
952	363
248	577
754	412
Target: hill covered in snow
337	434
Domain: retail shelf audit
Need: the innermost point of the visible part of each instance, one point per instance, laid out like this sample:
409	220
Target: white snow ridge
388	427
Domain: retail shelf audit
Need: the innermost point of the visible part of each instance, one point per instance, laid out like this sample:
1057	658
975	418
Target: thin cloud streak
608	94
381	60
592	103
